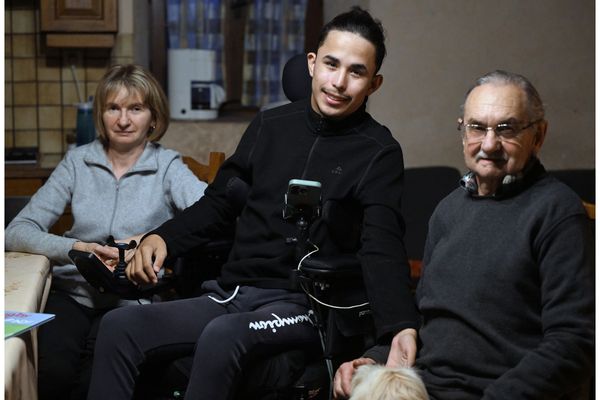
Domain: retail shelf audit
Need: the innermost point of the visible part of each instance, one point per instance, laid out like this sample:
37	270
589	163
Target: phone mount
299	205
303	205
104	280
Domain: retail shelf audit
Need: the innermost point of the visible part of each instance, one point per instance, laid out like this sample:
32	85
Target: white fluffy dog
377	382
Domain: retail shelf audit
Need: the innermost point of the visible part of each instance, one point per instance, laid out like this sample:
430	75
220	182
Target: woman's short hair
133	78
377	382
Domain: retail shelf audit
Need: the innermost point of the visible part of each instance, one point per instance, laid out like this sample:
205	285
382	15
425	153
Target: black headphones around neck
510	183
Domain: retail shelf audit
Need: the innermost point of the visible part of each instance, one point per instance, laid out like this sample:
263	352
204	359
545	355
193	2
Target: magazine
17	322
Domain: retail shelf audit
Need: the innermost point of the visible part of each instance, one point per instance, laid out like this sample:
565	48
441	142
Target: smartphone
303	194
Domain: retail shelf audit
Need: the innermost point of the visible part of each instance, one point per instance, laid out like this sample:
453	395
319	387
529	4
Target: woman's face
126	120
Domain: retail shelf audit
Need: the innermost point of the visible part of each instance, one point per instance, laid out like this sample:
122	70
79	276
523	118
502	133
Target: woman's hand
108	255
88	247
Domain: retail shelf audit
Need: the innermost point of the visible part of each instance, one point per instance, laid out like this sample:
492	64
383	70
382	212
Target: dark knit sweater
356	160
507	295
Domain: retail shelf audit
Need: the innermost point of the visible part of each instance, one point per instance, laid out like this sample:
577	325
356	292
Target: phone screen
303	193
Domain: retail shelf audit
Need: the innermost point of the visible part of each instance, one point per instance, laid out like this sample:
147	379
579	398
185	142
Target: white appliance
193	93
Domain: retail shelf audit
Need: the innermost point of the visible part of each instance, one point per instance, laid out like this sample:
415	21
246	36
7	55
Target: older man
506	292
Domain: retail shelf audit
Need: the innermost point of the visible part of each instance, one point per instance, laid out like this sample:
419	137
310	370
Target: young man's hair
377	382
360	22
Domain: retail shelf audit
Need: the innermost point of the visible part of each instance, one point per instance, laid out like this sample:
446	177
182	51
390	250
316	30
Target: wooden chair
590	209
206	173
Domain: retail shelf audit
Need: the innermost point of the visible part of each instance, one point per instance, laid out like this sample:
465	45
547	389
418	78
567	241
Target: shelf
79	23
79	16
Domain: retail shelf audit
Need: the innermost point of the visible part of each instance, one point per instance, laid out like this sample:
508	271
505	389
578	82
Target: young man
328	138
507	293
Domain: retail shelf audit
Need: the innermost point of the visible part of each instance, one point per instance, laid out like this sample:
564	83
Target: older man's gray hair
500	77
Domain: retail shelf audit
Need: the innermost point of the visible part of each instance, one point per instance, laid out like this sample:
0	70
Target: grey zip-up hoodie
151	192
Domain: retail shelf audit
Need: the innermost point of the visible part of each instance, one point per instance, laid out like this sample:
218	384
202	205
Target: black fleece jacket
358	163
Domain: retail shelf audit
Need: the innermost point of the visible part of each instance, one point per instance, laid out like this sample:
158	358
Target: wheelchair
338	300
341	314
298	374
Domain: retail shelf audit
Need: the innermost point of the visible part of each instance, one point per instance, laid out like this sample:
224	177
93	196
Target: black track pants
225	338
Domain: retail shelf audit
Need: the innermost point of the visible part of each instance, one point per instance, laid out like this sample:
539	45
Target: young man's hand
147	260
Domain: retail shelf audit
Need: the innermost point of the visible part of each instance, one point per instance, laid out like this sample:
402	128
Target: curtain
274	33
198	24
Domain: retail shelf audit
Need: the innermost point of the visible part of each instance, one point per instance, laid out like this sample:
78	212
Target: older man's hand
342	382
403	350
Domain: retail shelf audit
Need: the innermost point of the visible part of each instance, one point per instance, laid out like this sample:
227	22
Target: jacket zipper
112	219
310	153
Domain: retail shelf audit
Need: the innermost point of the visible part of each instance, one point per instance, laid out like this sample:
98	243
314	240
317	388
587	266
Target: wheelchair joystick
114	281
119	272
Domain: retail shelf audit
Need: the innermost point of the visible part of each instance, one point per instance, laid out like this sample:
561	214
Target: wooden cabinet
79	23
25	180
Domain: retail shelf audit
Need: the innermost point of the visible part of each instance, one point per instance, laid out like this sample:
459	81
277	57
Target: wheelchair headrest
295	79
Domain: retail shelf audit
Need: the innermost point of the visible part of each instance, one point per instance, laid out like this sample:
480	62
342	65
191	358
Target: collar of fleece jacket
328	127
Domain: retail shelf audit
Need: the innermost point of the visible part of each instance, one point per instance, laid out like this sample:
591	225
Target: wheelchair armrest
103	279
331	267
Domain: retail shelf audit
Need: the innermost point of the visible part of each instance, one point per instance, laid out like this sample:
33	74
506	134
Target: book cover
17	322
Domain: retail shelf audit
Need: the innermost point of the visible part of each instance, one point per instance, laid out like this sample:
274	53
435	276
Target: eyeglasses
504	131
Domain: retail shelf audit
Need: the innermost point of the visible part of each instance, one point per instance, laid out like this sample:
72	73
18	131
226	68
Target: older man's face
492	158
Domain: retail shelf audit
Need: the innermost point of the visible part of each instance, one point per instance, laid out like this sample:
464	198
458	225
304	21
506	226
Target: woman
123	184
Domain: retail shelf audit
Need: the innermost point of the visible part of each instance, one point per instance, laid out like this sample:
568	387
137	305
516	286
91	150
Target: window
255	41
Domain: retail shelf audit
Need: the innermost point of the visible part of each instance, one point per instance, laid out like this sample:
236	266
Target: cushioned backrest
582	181
423	189
295	79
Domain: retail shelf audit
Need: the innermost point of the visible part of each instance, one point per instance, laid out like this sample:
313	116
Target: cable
317	300
308	255
227	300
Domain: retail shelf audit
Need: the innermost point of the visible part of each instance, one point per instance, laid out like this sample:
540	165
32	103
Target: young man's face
343	74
